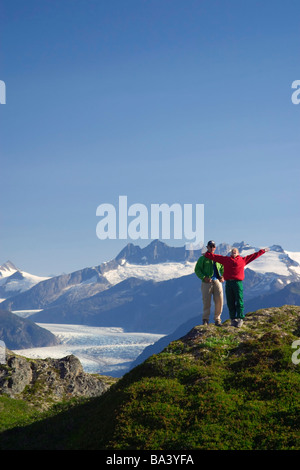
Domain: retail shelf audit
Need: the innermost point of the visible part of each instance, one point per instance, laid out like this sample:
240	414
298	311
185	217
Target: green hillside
216	388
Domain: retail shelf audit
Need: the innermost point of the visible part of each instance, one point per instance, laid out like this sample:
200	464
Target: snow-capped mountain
13	281
157	262
7	269
153	288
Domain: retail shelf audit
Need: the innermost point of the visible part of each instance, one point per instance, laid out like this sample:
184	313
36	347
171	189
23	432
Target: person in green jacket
211	275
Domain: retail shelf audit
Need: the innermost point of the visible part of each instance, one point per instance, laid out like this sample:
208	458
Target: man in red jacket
234	274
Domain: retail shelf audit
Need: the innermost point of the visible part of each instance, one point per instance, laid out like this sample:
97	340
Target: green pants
234	297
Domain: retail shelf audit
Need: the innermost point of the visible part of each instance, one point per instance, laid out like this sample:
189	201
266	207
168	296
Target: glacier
105	351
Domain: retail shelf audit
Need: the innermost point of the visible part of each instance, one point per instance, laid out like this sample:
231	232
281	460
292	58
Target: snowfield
21	285
155	272
271	262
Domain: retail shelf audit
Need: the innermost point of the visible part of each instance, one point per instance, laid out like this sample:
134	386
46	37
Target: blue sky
165	101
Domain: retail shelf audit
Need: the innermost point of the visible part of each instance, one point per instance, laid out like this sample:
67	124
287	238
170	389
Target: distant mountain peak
156	252
7	269
9	265
277	248
241	245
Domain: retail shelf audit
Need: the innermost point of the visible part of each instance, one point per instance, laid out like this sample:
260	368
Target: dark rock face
22	333
156	252
48	380
15	377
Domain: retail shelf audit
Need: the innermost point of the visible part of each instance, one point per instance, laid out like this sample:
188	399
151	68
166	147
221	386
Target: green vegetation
15	412
216	388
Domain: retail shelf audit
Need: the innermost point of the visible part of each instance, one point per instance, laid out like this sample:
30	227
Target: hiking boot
239	323
205	322
233	322
218	323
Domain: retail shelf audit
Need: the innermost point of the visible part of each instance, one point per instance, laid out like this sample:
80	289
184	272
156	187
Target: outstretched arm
252	257
218	258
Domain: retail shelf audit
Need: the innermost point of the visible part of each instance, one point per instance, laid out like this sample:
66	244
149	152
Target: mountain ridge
152	259
14	281
156	252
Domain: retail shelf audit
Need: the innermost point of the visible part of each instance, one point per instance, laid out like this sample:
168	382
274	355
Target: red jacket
234	267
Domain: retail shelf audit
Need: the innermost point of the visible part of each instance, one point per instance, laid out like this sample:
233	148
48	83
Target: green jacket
204	268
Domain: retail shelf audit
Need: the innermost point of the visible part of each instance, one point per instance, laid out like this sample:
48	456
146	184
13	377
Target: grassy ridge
216	388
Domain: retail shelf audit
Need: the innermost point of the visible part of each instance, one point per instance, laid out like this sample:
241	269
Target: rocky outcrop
45	381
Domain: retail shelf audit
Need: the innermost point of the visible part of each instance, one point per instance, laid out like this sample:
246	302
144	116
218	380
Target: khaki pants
212	289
